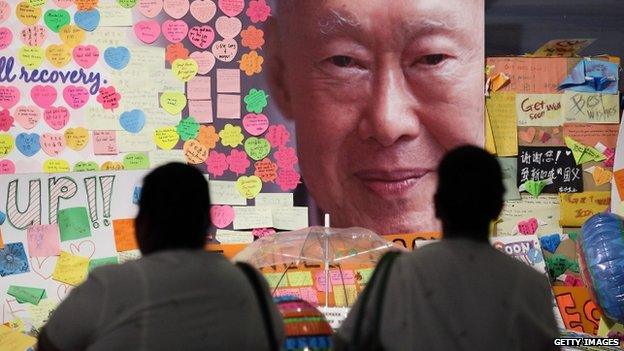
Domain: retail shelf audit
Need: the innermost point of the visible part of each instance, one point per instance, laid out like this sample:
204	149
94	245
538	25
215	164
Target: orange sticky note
1	240
125	238
618	176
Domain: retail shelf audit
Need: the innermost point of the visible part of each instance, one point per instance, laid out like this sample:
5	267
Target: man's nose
390	114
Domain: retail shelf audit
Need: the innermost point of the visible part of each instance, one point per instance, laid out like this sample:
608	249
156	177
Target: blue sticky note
28	144
136	195
550	242
2	217
87	20
13	259
132	121
117	57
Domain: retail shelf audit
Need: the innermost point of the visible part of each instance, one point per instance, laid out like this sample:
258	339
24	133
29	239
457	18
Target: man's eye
342	61
432	60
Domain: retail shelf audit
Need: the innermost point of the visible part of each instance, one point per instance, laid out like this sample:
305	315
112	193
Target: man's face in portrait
379	90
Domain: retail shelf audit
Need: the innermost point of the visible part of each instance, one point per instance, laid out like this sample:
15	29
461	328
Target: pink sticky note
56	117
319	282
287	291
6	120
221	216
43	240
6	37
201	110
105	142
148	31
198	88
175	31
278	135
9	96
347	277
238	161
287	179
217	163
528	227
75	96
309	294
7	167
176	8
228	80
86	55
255	124
27	116
43	95
228	106
52	143
286	157
231	7
109	98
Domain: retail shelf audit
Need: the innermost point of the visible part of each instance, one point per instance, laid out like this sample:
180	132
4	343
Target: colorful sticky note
309	294
345	295
576	208
13	259
501	110
365	274
97	262
43	240
71	269
273	279
74	223
125	237
11	340
26	294
550	242
300	278
583	153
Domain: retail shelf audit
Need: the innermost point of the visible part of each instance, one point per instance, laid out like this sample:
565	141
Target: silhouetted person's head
470	192
173	209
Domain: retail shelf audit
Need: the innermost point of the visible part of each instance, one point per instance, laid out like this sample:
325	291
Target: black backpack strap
253	277
379	278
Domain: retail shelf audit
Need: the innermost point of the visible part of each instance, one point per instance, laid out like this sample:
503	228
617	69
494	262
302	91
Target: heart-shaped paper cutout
255	124
7	167
228	27
225	50
527	135
147	31
9	96
86	55
132	121
71	35
117	57
150	8
231	7
27	116
173	102
257	148
88	20
184	70
550	242
203	10
76	138
64	3
30	57
28	144
75	96
6	37
34	35
528	227
59	55
176	8
27	14
175	31
601	176
205	61
52	143
56	19
195	152
221	216
249	187
56	117
201	36
6	144
43	95
166	138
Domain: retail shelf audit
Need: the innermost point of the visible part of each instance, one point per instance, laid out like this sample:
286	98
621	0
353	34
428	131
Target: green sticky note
26	294
136	161
256	100
274	278
74	223
86	166
257	148
300	278
127	3
366	274
97	262
188	128
534	187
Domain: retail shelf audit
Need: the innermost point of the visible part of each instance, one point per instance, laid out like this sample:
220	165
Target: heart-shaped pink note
7	167
150	8
175	31
6	37
205	61
231	7
176	8
255	124
52	143
75	96
228	27
221	216
27	116
64	3
9	96
34	35
528	227
203	10
201	36
43	95
86	55
225	50
56	117
147	31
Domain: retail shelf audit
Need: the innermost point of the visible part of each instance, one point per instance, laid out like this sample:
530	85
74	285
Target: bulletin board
93	94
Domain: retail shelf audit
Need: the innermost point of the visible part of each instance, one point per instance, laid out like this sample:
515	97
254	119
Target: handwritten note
577	208
125	237
71	269
509	166
26	294
43	240
201	110
105	142
530	75
274	199
228	81
228	106
345	295
591	107
501	110
233	237
98	262
160	157
556	164
300	278
74	223
275	279
250	217
539	109
290	218
11	340
225	193
199	88
136	142
591	134
544	208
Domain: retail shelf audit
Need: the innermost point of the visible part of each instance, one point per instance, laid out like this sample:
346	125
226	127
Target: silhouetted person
177	296
460	293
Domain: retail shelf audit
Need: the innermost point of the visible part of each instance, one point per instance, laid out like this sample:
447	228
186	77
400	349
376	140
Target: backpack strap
253	277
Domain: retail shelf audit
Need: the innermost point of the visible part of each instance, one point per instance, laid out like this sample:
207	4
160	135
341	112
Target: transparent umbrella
323	245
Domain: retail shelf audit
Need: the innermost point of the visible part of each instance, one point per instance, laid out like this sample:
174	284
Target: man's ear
276	71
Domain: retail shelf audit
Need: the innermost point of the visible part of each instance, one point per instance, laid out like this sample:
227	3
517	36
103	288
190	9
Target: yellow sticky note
71	35
501	108
184	69
71	269
365	274
30	57
166	137
55	166
17	325
249	187
590	107
303	278
231	136
274	279
346	296
173	102
40	313
576	208
604	328
11	340
542	110
490	146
